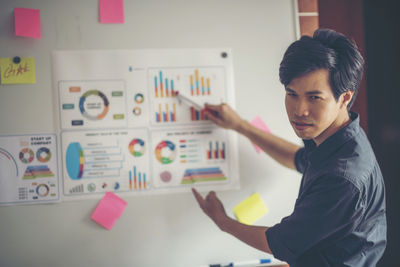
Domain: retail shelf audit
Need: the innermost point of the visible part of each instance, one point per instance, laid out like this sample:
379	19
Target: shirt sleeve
330	210
300	160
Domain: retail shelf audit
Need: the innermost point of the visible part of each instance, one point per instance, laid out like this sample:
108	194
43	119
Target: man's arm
251	235
278	148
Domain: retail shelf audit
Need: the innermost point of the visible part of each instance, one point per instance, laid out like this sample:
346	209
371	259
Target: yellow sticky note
250	210
21	73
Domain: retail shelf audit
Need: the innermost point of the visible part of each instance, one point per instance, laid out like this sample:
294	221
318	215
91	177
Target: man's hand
223	115
211	206
251	235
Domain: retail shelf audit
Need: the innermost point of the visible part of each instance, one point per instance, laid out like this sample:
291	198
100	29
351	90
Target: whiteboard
154	230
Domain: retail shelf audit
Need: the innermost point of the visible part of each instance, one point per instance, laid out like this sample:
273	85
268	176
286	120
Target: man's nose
302	109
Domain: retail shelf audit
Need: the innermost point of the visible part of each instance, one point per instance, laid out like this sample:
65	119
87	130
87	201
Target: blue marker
243	263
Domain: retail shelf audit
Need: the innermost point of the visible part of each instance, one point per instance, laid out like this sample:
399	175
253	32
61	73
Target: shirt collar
318	154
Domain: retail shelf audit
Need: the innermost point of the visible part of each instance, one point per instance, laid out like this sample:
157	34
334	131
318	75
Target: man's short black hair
327	49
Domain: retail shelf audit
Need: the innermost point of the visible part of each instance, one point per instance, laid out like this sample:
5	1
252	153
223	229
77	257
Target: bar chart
200	84
137	180
216	150
166	113
197	115
164	85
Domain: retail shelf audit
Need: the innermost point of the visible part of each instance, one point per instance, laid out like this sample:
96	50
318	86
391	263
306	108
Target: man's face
312	108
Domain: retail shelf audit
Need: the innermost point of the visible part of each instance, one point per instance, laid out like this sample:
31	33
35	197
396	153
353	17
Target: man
339	218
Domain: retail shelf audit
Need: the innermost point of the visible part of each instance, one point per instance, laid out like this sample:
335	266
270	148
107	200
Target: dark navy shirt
339	218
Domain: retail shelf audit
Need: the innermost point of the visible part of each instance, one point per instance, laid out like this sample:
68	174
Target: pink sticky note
111	11
27	22
108	211
260	124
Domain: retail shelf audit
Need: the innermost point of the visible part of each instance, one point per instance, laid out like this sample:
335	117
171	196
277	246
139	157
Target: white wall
160	230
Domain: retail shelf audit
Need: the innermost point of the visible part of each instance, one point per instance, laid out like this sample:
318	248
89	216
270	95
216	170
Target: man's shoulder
355	161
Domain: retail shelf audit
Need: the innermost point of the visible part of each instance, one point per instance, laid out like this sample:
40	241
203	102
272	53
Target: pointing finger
198	197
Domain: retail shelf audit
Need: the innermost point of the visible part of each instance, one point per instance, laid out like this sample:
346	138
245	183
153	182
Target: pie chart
165	152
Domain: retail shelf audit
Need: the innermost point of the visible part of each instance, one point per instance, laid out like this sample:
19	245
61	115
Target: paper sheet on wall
21	73
124	130
28	169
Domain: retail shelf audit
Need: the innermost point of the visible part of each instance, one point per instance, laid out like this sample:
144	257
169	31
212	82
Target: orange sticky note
27	22
21	73
111	11
108	211
260	124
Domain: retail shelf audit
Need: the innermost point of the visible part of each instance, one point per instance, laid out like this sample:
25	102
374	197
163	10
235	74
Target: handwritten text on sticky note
27	22
260	124
250	210
21	73
108	211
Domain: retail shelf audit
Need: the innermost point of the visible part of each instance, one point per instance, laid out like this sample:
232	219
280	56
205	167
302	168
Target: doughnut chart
43	154
134	144
139	98
26	155
84	98
165	146
42	190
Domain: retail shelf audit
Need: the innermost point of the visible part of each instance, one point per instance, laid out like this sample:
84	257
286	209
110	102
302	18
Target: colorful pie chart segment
42	190
26	155
93	105
165	152
137	147
75	161
43	154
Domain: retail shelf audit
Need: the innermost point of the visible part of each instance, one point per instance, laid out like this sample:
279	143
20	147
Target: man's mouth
299	125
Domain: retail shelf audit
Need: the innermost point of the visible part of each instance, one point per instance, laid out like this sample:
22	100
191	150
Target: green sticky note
250	210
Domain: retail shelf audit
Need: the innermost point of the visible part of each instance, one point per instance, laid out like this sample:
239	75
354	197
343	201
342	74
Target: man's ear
347	96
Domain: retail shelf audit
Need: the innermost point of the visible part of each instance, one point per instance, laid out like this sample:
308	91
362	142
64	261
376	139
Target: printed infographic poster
107	160
92	104
28	169
187	157
123	128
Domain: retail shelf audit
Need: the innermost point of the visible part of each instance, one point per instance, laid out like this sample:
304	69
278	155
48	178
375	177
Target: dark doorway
382	32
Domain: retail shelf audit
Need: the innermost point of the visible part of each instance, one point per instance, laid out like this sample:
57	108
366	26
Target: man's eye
314	97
